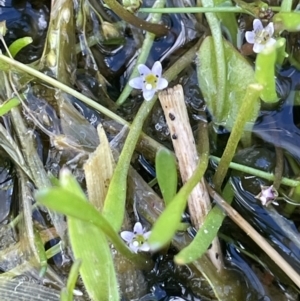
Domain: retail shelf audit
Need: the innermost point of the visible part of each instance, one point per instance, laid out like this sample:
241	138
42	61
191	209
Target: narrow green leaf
67	292
265	74
166	173
8	105
18	45
206	233
167	224
203	238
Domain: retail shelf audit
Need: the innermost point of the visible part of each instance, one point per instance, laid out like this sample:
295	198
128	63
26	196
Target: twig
256	237
172	102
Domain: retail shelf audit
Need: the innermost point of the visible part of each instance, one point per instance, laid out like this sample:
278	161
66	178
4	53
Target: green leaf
97	268
203	238
206	233
8	105
66	293
166	173
71	204
239	75
287	21
167	224
265	74
88	243
18	45
228	20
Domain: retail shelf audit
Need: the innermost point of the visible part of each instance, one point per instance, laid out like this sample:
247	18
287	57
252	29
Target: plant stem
258	173
63	87
192	10
124	14
251	97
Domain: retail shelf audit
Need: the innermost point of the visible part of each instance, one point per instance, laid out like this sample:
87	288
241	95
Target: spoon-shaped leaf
166	173
239	75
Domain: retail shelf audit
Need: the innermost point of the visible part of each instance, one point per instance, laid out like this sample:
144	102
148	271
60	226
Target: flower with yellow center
149	81
260	36
137	240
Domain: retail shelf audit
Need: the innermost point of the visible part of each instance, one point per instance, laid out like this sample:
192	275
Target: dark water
277	126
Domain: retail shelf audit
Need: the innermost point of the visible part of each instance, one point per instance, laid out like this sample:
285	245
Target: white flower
137	240
149	80
267	195
261	37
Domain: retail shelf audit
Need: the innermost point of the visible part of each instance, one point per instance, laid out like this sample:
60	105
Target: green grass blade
206	233
8	105
18	45
67	292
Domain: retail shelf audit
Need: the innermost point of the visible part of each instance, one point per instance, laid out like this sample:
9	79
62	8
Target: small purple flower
261	37
149	81
137	240
267	195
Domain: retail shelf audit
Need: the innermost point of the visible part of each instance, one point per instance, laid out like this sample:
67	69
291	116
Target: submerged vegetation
146	146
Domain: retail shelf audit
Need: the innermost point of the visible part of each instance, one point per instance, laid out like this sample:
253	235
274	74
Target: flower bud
109	31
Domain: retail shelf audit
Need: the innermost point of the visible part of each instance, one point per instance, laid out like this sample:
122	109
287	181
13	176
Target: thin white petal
257	25
250	37
133	248
144	247
270	42
148	94
136	83
146	235
138	228
270	28
127	235
162	83
157	69
257	48
143	70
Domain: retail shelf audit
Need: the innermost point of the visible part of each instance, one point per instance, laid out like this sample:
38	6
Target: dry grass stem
98	171
256	237
172	102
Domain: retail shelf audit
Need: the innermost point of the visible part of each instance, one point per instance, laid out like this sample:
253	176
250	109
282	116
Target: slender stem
63	87
177	10
142	58
124	14
192	10
279	167
258	173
